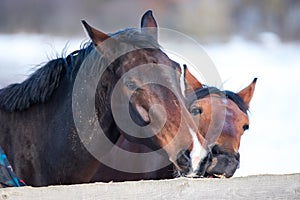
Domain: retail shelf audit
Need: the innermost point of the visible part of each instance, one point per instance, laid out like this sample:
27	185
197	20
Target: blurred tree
211	20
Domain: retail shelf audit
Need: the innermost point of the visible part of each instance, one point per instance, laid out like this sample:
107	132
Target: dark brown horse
57	125
222	117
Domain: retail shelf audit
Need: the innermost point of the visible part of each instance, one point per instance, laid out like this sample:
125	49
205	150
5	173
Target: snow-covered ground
272	145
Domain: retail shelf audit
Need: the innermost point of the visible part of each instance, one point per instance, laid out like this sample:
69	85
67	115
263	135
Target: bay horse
38	117
222	119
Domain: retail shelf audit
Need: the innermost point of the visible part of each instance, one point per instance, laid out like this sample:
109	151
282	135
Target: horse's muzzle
223	164
183	161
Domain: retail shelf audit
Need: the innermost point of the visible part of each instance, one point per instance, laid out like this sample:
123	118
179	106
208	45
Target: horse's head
145	97
222	119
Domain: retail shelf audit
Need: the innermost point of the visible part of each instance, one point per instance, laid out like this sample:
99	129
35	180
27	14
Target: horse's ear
247	93
148	24
191	83
96	36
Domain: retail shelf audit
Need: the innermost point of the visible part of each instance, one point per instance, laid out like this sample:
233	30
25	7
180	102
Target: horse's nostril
183	159
237	156
215	149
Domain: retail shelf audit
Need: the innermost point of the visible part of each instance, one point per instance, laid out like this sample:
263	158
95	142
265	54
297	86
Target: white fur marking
182	82
197	153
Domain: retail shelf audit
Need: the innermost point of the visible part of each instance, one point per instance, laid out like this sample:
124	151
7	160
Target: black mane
202	92
42	83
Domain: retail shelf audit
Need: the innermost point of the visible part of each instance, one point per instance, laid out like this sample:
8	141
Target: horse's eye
196	111
131	85
246	127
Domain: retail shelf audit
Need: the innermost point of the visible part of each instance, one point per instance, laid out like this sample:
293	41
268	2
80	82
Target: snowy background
271	146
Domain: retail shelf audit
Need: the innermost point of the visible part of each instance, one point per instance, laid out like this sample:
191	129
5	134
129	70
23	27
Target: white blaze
198	152
182	82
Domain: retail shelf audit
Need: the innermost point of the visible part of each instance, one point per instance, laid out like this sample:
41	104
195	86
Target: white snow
271	146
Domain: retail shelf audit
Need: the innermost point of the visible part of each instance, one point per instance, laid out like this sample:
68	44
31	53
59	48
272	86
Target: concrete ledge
251	187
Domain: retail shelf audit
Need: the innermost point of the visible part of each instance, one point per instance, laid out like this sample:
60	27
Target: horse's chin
215	176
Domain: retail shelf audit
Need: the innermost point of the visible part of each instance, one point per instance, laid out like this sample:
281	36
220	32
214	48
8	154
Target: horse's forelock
202	92
136	38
